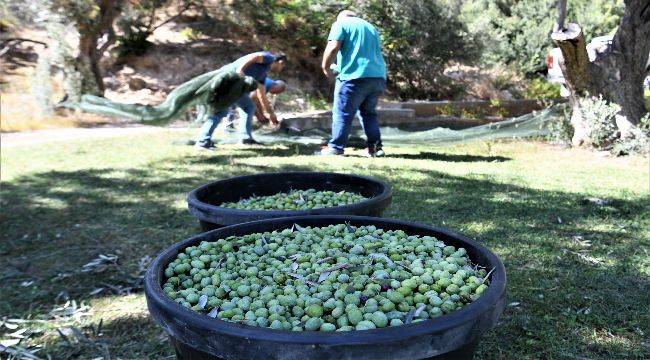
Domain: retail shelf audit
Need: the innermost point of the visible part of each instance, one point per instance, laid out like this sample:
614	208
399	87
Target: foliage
518	31
600	116
191	34
305	22
560	128
138	22
539	88
419	40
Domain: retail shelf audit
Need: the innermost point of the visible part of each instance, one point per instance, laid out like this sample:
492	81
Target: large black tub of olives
451	336
205	202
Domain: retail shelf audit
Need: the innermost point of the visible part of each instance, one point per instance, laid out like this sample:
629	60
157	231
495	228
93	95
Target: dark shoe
250	141
328	151
375	151
205	144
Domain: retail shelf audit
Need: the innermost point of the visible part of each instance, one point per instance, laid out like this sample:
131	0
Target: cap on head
280	57
346	13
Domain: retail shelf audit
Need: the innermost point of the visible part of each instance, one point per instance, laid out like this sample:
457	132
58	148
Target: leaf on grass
10	326
349	227
299	228
264	240
9	342
202	301
514	303
26	283
294	266
19	334
296	276
96	291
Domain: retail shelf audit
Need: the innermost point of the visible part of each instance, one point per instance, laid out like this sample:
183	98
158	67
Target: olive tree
617	73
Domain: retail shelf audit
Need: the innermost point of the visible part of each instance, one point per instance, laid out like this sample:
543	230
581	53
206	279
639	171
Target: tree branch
187	6
561	15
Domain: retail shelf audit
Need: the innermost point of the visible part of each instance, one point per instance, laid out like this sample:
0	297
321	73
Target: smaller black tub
451	336
203	202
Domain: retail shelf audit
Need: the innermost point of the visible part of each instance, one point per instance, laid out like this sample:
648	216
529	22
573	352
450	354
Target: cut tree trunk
617	73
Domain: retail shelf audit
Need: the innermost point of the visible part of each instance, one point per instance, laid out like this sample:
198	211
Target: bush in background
517	32
539	88
420	39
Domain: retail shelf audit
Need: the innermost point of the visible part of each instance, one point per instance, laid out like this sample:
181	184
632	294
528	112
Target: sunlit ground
577	271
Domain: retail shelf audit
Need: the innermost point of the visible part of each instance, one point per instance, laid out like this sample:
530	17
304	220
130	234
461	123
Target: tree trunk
90	52
617	73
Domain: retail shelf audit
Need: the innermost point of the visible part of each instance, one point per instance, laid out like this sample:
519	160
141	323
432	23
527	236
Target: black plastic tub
204	201
452	336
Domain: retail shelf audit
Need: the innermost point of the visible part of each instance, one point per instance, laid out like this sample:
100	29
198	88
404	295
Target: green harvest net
212	92
217	90
531	125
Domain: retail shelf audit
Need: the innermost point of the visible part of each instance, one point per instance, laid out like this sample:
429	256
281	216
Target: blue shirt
360	55
268	82
257	71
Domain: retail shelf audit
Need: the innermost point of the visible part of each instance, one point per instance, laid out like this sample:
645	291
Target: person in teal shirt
360	80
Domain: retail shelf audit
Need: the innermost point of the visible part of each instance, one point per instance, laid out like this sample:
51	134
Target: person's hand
274	119
262	118
329	73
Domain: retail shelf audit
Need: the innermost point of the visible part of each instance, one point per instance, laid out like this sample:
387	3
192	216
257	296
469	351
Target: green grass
578	273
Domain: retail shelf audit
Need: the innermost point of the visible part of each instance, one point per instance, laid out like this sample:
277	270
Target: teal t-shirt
360	55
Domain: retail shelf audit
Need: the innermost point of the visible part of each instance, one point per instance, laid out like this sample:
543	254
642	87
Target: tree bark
617	73
90	52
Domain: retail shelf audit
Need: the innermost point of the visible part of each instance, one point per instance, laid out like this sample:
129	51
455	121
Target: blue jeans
351	96
246	112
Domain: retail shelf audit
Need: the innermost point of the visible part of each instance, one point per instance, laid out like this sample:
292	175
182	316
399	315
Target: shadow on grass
451	157
572	266
55	222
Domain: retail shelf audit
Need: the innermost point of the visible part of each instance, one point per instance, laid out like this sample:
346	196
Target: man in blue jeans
360	81
257	65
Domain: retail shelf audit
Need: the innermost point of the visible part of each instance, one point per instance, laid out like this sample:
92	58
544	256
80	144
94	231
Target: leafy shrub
560	128
517	32
539	88
419	40
600	116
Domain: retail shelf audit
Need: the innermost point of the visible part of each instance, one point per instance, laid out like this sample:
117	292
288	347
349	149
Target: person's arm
259	114
250	60
261	96
331	50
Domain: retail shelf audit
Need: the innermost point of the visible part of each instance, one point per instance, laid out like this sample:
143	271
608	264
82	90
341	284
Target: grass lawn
578	272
